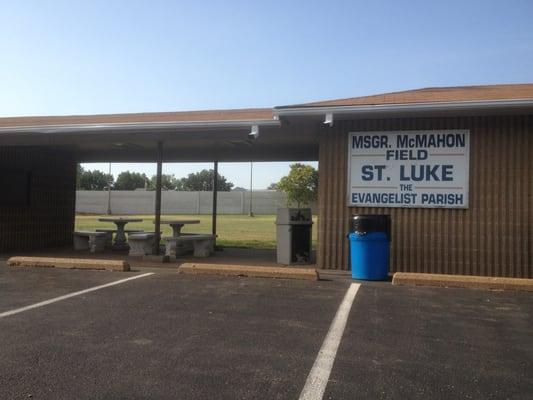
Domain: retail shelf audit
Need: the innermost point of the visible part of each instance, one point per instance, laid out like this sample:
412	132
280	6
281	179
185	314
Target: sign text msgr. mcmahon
409	169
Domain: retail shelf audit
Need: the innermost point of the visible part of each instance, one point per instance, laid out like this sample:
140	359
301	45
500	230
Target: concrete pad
70	263
251	271
462	281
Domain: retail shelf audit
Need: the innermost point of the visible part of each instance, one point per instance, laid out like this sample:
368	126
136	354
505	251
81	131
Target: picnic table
120	238
177	224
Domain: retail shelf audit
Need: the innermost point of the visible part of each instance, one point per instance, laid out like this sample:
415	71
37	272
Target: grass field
257	232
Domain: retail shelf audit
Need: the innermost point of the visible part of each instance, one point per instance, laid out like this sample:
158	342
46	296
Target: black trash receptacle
370	246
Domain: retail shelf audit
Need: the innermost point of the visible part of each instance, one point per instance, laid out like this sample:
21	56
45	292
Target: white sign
408	169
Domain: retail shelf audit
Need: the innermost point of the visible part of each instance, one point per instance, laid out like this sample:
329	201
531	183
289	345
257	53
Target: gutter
399	108
125	126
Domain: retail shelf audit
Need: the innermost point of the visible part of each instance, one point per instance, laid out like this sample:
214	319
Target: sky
86	57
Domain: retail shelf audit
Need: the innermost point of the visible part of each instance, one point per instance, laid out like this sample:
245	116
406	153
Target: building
452	166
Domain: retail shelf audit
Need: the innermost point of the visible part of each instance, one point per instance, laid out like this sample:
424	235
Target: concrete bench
110	231
203	244
141	243
185	247
93	241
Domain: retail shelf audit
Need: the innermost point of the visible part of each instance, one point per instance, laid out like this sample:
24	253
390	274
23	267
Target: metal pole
215	195
109	192
157	222
251	188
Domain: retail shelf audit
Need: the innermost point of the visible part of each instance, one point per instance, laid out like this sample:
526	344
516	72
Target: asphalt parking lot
168	336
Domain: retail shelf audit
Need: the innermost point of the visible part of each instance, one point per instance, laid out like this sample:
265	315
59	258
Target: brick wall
48	219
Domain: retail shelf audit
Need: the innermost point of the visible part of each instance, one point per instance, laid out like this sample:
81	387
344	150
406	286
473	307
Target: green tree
93	180
203	181
130	181
301	185
273	186
79	173
168	182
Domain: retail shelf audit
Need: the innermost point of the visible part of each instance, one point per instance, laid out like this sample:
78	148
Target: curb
249	271
69	263
462	281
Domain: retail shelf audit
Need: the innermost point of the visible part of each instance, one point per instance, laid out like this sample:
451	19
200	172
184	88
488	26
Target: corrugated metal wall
49	219
493	237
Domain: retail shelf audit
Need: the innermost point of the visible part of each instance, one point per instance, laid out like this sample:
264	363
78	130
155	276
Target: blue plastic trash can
369	254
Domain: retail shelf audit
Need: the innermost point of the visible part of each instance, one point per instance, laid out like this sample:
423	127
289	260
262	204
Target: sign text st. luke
409	169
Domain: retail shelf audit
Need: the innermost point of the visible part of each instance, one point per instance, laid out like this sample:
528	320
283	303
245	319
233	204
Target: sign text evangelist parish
409	169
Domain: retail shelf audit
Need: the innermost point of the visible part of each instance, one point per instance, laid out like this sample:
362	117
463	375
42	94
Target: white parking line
68	296
318	377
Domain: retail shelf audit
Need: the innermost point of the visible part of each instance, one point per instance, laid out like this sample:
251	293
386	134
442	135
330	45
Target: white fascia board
90	128
396	108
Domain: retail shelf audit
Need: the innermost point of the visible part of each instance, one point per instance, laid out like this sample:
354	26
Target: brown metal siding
49	220
492	237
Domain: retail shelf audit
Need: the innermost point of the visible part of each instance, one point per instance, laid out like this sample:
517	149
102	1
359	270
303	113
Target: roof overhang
283	133
139	126
184	141
487	106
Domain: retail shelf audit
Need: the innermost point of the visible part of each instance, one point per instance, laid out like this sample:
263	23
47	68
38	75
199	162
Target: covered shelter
489	232
38	157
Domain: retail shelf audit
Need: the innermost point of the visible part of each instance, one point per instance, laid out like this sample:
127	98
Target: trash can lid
366	223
